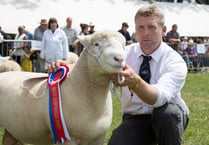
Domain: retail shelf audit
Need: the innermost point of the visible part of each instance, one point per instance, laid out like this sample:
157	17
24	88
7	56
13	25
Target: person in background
26	64
1	38
173	37
191	53
91	26
71	34
152	107
182	51
164	34
54	43
39	31
19	45
29	34
4	48
184	43
125	33
84	29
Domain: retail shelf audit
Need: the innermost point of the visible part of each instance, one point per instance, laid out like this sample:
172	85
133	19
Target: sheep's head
108	48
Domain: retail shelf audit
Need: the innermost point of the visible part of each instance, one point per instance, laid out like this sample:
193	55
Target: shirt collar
156	55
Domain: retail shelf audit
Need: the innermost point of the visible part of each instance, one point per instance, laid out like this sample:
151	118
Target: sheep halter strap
58	126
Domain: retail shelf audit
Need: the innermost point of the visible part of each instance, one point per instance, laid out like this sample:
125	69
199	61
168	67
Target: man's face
44	27
149	32
69	22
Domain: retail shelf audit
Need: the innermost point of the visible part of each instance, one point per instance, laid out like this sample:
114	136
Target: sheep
86	97
8	65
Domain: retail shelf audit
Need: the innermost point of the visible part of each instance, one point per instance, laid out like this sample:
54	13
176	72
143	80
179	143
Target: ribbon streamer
59	129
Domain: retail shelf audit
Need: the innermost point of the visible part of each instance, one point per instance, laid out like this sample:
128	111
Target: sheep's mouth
116	68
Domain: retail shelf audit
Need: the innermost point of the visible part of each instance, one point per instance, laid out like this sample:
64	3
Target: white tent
107	14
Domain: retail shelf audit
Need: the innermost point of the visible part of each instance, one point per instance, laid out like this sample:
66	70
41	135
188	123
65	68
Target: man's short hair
151	10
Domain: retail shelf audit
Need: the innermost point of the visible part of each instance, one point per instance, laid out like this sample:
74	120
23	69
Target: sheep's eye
96	44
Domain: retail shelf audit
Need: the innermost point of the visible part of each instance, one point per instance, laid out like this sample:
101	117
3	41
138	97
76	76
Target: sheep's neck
90	83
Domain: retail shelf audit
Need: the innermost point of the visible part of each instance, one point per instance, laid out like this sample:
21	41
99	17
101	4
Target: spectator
54	43
29	34
39	31
153	110
182	51
173	37
71	34
26	64
1	38
91	26
4	47
5	35
164	34
184	43
84	29
191	52
125	33
19	45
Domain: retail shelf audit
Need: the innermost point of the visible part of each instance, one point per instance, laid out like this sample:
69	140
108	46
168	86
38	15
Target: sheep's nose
119	59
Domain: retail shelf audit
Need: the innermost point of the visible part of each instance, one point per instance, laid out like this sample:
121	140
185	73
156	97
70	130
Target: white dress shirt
168	73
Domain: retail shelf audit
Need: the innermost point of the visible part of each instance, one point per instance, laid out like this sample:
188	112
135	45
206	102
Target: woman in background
54	43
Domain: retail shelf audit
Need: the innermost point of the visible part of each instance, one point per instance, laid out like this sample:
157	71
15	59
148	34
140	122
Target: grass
196	95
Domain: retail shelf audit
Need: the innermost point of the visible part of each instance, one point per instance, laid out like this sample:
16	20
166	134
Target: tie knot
147	58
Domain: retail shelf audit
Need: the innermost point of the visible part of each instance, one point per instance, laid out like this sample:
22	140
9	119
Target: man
71	34
173	37
91	26
39	31
153	110
125	33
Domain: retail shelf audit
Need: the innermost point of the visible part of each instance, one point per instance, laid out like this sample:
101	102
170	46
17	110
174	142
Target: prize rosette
58	126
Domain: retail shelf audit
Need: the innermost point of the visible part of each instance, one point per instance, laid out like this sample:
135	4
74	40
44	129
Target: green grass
196	95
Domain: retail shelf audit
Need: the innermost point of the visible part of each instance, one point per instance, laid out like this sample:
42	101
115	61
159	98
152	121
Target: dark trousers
165	126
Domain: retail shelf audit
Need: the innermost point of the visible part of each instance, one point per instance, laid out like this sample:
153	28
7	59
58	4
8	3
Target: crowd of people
57	41
193	50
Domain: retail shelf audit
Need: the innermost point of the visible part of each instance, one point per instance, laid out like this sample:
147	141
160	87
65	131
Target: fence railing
28	58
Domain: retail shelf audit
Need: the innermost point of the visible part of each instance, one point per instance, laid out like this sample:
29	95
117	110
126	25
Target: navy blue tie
144	71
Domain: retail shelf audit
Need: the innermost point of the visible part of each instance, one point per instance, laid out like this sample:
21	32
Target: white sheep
8	65
86	98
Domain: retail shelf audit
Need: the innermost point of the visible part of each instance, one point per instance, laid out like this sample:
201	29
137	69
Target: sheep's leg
8	139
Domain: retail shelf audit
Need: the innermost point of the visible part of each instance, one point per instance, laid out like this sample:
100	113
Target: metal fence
28	59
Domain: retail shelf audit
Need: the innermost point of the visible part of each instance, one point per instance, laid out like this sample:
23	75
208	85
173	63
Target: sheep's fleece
86	98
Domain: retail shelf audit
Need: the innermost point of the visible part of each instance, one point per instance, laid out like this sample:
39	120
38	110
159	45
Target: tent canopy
107	14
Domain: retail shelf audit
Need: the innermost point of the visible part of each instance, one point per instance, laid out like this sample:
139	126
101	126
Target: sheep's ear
85	40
